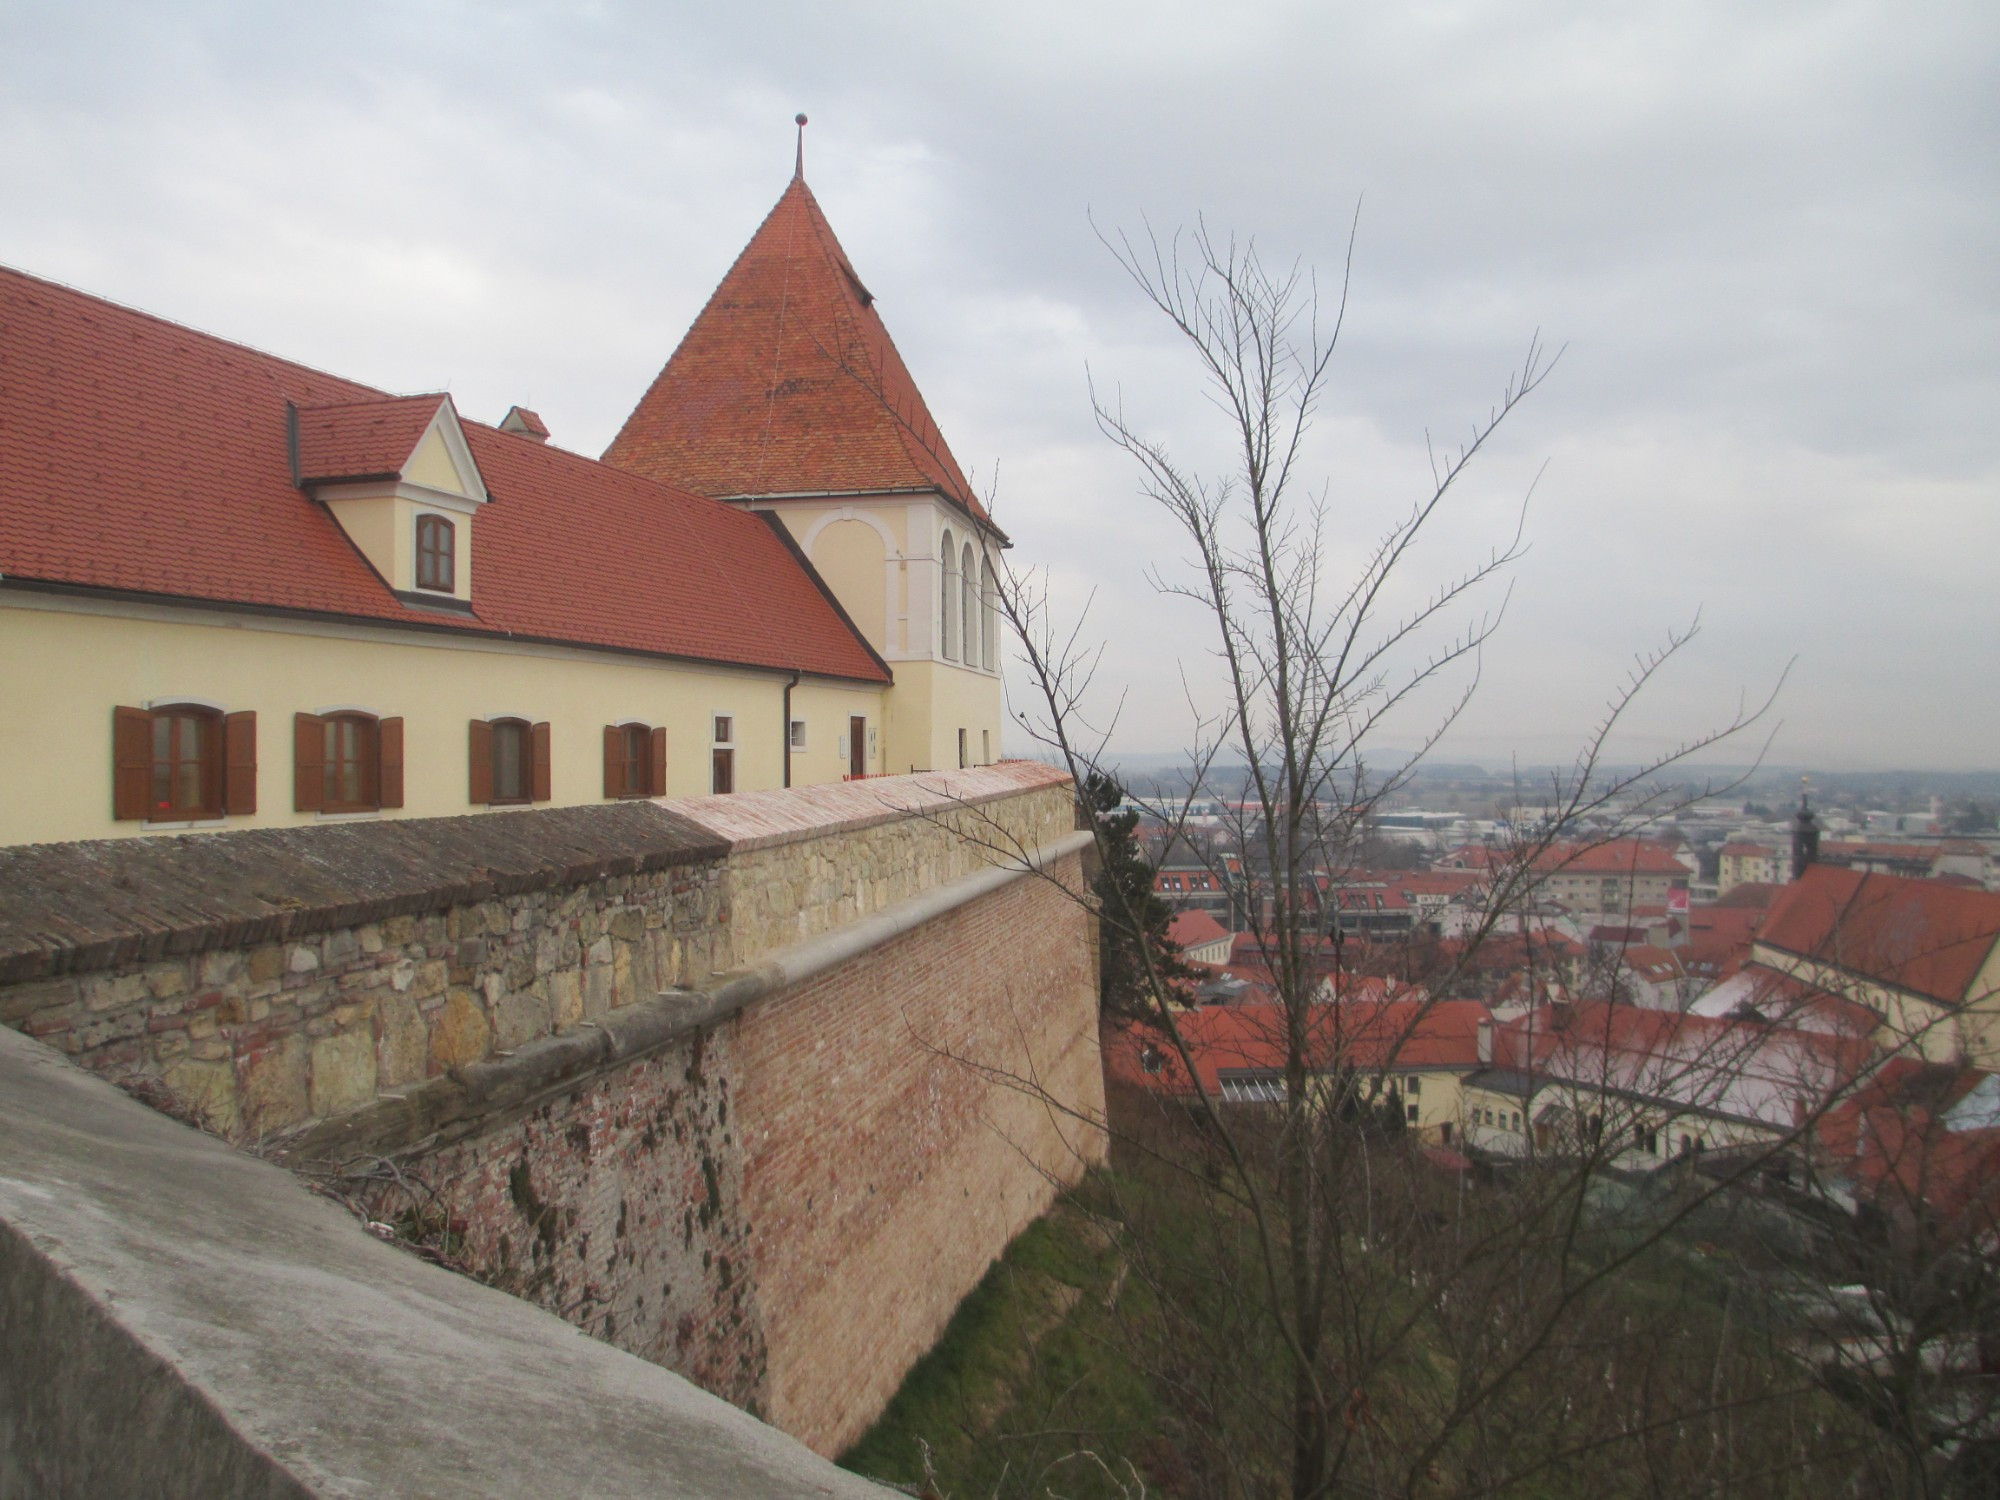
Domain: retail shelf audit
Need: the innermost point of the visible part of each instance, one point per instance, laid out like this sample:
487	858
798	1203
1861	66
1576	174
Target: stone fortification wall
272	976
724	1095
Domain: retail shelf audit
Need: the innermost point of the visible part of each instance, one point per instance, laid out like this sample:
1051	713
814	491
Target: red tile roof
142	456
789	383
1365	1035
369	439
1191	929
1924	936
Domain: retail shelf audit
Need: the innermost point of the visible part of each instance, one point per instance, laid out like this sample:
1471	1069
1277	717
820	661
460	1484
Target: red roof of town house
1753	850
1755	895
143	457
1774	1075
789	383
1397	1035
1192	929
1923	1134
1924	936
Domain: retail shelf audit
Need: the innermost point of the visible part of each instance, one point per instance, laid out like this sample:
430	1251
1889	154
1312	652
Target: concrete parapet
184	1320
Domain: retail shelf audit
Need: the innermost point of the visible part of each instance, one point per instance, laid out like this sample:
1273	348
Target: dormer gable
399	477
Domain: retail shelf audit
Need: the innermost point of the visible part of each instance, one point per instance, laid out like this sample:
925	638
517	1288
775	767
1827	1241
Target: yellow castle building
235	591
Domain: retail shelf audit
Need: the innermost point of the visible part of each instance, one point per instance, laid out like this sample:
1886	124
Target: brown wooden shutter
308	762
614	761
131	762
482	762
539	734
389	783
239	762
656	784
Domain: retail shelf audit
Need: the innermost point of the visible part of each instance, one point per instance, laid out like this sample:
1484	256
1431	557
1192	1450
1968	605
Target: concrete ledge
183	1320
760	820
471	1099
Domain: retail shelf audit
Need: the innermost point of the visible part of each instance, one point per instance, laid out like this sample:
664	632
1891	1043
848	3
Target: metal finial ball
799	120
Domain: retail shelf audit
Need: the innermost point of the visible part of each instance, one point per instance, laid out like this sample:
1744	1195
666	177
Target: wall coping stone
189	1313
785	815
96	904
473	1098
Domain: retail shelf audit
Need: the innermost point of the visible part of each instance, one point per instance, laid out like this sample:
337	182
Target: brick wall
885	1163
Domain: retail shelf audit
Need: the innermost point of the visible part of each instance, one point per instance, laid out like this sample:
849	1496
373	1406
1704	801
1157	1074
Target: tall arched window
988	617
968	589
948	598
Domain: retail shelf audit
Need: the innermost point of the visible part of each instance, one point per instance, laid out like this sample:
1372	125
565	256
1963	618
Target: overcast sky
1767	234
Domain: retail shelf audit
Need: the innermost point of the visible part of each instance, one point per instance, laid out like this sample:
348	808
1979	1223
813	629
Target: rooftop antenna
799	164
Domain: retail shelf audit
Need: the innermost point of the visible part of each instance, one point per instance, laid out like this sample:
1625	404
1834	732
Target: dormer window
435	566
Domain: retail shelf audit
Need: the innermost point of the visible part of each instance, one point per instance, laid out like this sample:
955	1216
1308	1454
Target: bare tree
1347	1320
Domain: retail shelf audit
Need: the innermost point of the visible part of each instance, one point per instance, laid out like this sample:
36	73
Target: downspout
787	725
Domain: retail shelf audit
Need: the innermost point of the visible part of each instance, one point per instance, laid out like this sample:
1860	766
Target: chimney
1486	1040
524	423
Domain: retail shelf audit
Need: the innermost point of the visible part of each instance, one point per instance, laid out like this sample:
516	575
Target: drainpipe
787	725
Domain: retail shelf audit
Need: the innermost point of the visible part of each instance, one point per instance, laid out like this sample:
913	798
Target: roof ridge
179	327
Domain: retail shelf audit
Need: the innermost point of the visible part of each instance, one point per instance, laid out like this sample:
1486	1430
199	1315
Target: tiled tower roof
788	383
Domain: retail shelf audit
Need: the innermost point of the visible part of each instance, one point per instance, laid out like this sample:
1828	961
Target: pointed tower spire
788	384
1805	831
799	162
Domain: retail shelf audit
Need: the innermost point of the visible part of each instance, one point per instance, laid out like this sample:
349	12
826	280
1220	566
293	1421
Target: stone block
398	931
102	992
498	919
369	936
224	967
266	964
343	1071
300	959
19	1001
206	1087
340	947
272	1089
597	989
565	998
599	952
460	1033
432	976
627	924
624	990
402	1041
519	1017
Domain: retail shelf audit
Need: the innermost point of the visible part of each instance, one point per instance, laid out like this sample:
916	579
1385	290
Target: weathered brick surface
788	1210
885	1166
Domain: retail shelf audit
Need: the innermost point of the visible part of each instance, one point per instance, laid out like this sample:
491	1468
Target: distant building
1922	955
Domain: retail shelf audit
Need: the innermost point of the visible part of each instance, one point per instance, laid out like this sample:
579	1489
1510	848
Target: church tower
787	396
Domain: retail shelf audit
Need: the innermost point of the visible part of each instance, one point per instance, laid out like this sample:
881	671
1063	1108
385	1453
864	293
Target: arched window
948	598
350	764
635	760
436	565
969	598
510	761
988	615
187	763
